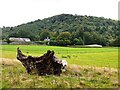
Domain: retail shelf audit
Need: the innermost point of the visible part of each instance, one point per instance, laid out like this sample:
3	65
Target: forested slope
67	29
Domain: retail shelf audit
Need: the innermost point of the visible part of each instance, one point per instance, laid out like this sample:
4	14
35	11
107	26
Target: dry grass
76	76
11	62
77	68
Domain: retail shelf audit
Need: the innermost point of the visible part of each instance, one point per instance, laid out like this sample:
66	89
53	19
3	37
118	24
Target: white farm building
19	39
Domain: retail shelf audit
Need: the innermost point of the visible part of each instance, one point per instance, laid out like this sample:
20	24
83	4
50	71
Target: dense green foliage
80	30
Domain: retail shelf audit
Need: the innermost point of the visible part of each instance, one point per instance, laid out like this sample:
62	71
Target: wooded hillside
67	29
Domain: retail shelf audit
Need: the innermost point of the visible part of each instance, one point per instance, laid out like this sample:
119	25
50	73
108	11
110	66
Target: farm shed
19	39
47	39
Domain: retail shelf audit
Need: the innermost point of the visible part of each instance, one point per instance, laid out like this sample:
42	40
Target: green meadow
87	68
100	57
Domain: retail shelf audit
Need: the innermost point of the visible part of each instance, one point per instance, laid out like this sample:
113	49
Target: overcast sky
16	12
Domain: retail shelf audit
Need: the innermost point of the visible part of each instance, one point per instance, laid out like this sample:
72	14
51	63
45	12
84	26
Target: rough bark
44	65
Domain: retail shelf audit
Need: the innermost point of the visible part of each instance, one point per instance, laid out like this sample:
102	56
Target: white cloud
14	12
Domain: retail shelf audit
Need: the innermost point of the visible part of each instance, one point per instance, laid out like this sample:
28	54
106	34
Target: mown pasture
88	67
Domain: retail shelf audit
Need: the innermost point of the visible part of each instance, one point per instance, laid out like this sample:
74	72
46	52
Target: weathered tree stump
44	65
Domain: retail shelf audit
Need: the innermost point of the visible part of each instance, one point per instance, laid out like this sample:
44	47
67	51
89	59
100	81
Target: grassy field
88	67
100	57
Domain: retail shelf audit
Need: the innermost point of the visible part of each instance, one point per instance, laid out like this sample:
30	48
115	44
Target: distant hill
82	29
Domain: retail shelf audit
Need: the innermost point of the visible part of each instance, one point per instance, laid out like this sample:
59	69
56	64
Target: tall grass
83	77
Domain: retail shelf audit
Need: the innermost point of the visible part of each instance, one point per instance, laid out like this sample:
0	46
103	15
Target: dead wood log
44	65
